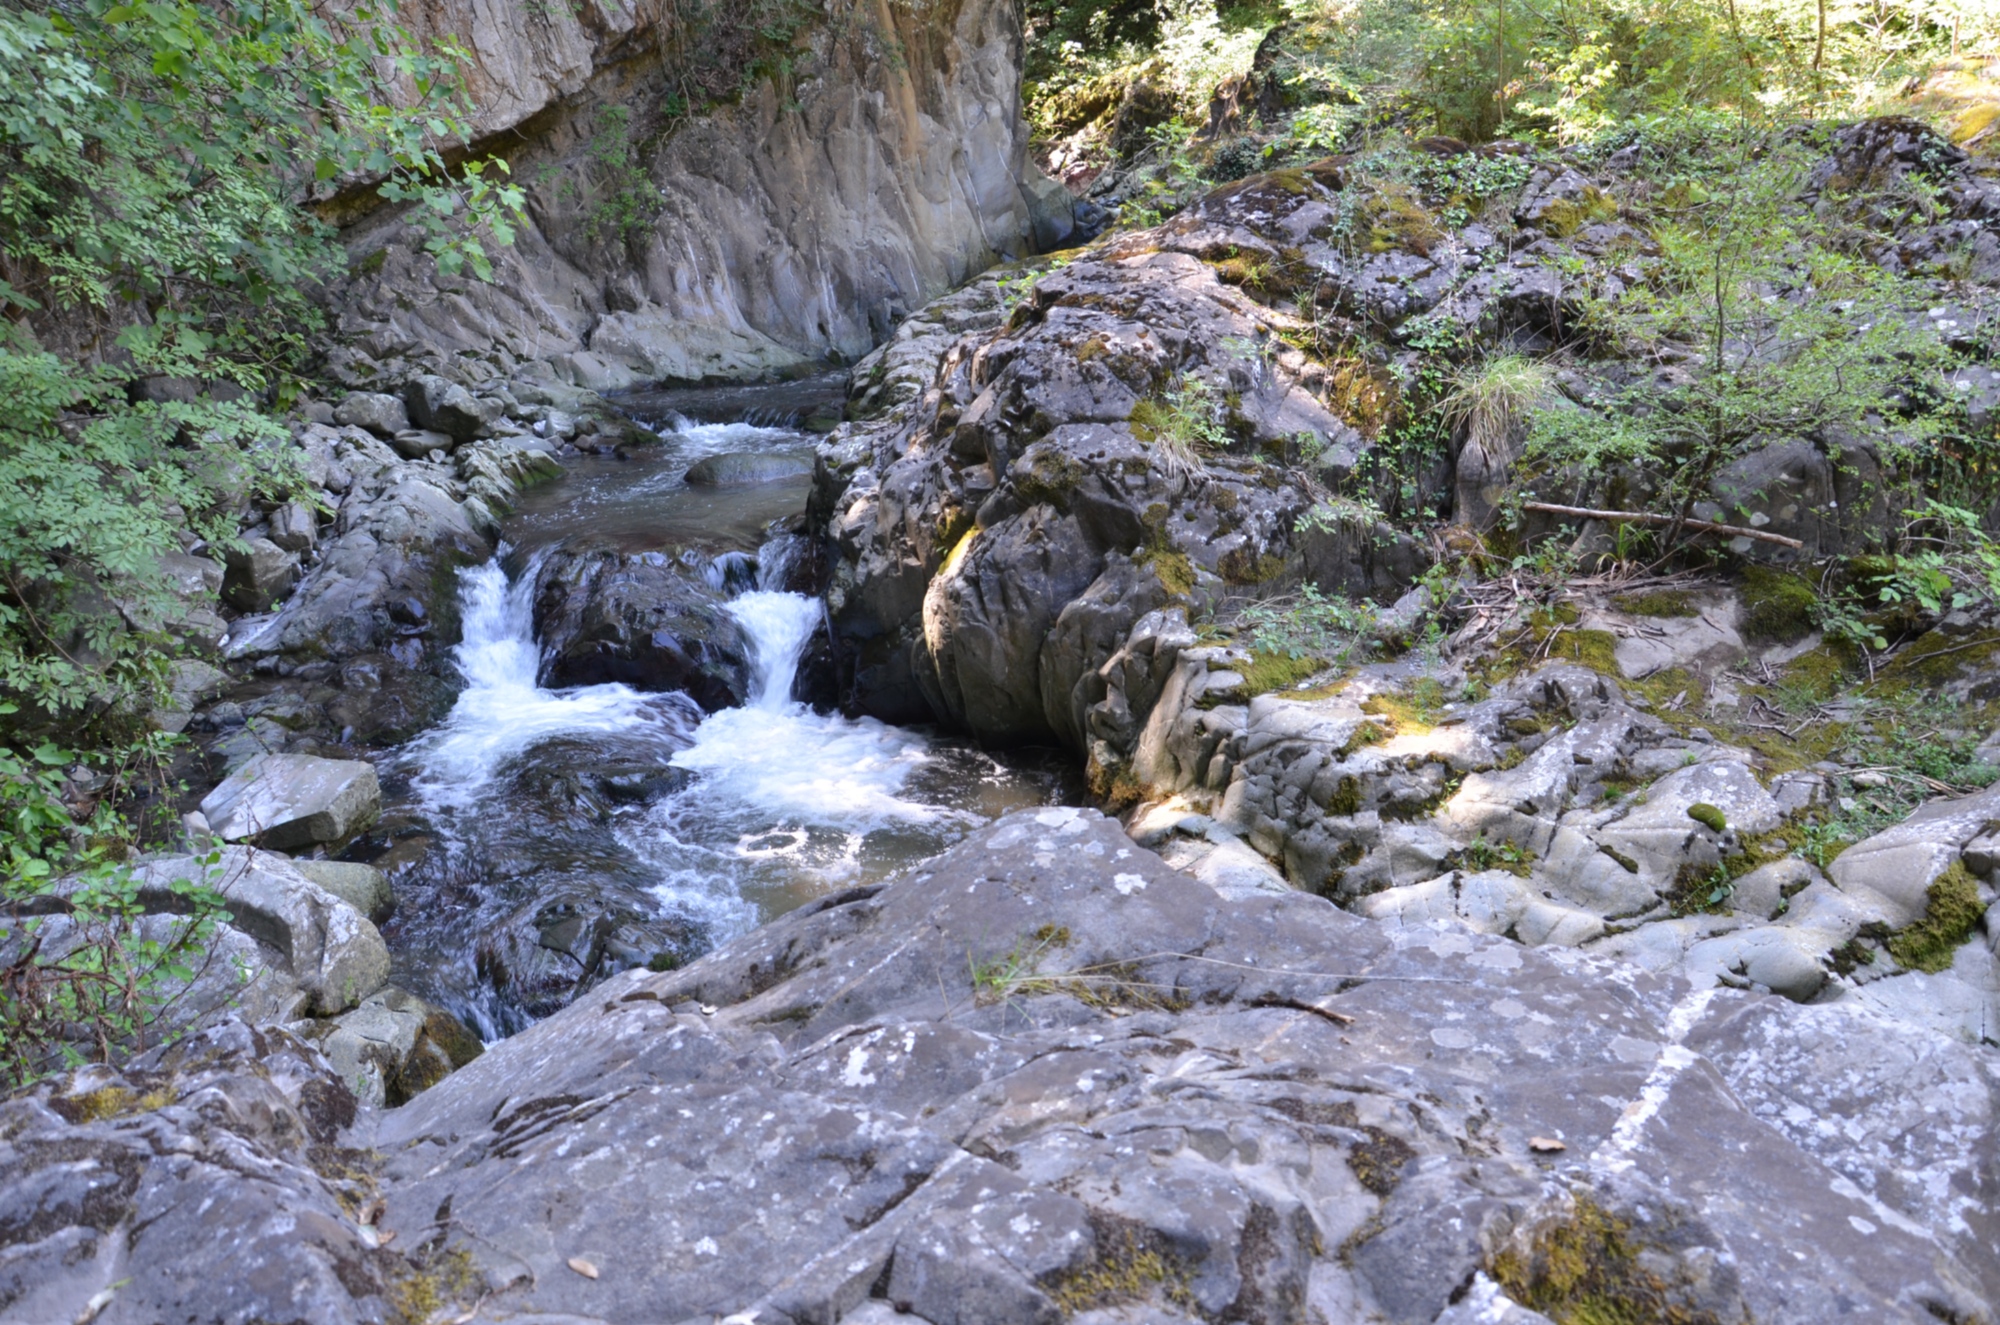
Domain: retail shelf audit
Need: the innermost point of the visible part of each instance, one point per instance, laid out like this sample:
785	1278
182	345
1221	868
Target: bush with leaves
1762	327
84	973
157	165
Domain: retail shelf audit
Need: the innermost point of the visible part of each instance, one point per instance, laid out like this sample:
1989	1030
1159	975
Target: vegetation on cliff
158	262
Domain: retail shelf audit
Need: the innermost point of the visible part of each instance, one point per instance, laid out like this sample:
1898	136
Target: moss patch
1266	672
1132	1264
1708	816
1659	603
1588	1268
1777	605
1953	910
1378	1162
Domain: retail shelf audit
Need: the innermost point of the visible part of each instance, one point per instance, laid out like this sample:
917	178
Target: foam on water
502	714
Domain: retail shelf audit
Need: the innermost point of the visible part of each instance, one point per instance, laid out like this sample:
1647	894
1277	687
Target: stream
539	839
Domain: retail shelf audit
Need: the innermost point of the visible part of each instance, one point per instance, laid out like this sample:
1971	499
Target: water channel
546	836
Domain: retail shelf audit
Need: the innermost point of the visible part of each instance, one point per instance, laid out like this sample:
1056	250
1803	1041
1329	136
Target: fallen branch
1641	517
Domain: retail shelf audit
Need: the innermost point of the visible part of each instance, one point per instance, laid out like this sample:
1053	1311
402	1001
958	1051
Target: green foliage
80	977
626	200
1776	330
153	159
1183	425
1306	626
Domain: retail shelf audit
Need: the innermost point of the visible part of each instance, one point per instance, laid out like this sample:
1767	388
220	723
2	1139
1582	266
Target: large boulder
645	619
443	406
288	801
259	574
1046	1078
377	411
333	953
740	469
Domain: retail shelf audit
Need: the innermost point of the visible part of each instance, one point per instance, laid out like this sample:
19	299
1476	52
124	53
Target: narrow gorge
993	664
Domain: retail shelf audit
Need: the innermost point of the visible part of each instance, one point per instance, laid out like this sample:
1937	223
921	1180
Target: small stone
583	1267
1545	1145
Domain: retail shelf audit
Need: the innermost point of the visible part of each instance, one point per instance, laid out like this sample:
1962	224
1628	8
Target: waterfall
502	712
778	626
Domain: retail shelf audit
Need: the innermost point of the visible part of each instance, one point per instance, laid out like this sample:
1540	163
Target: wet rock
394	1046
258	575
641	619
396	541
291	801
378	412
745	469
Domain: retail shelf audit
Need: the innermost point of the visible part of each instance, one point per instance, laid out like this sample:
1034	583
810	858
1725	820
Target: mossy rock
1777	605
1659	603
1266	672
1590	1267
1709	817
1952	912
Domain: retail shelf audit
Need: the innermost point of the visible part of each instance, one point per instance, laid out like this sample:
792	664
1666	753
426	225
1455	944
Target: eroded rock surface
1047	1077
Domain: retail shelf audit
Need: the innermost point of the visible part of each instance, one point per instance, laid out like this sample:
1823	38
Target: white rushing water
502	713
782	797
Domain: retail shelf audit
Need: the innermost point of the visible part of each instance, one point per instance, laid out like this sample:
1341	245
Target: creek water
547	837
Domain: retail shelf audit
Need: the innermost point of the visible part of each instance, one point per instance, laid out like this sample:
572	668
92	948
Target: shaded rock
291	801
295	526
394	1046
439	405
744	469
259	574
642	619
378	412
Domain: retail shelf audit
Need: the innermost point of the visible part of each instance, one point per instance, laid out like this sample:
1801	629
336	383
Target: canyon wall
723	198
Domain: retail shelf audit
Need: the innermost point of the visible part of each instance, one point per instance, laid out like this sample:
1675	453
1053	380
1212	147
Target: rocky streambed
1498	979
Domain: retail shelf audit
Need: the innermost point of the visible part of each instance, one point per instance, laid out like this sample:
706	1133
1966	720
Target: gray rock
362	887
333	954
378	412
190	682
290	801
295	526
1046	1077
418	443
259	574
438	405
201	1184
394	1046
747	468
1897	866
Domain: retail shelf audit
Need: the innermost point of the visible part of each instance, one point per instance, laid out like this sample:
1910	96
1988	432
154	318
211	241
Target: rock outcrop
1045	1077
715	191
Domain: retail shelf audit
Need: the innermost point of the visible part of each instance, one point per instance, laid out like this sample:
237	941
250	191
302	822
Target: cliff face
724	197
